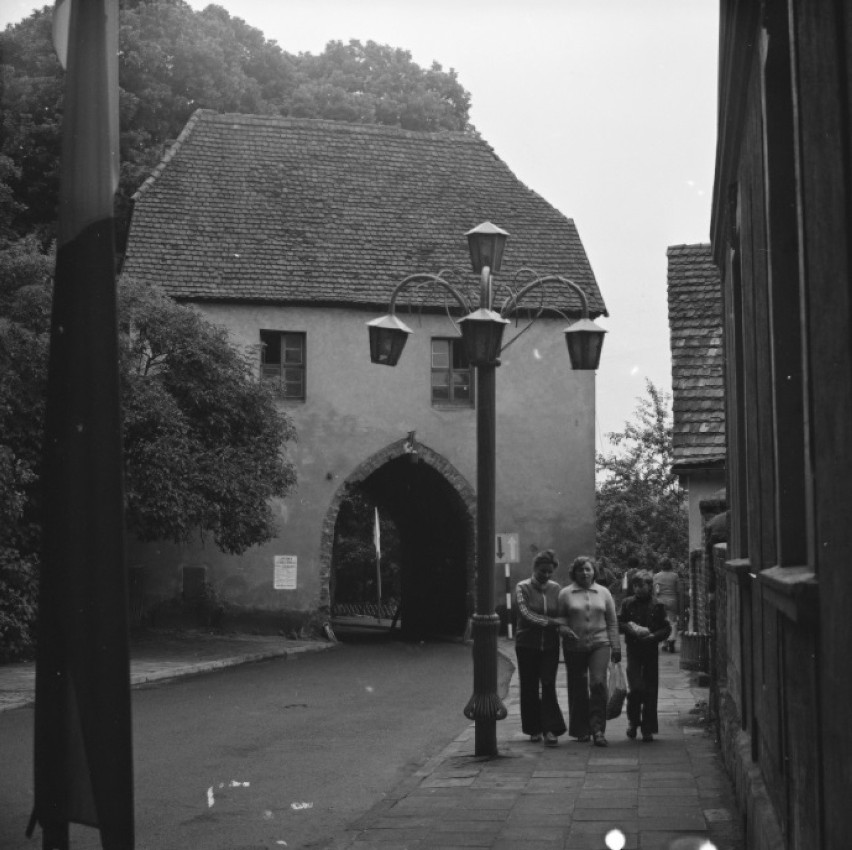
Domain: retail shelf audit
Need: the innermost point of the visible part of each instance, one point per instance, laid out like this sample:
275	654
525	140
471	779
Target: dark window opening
282	359
452	374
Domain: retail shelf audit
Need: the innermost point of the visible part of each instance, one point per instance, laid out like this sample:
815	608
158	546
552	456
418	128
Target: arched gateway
433	507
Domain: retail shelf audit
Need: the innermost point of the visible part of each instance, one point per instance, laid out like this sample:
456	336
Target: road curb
181	671
199	667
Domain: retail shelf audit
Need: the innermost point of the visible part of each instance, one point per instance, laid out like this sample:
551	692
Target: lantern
388	336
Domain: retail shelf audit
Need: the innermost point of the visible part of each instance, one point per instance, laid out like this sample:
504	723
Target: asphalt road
282	753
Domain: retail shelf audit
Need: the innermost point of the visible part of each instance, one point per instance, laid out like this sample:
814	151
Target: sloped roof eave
707	464
697	357
277	210
430	309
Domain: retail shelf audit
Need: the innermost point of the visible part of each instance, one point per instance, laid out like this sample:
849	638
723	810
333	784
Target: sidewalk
672	794
158	655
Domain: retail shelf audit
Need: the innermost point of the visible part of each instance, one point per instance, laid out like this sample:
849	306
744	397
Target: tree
354	554
640	506
376	84
203	438
173	61
31	87
195	422
19	450
204	442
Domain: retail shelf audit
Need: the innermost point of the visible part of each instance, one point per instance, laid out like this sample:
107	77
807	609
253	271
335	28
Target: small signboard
284	577
507	550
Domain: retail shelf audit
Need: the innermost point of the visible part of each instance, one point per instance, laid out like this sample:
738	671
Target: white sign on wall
284	577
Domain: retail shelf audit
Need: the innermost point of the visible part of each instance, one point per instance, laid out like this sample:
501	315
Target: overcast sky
606	108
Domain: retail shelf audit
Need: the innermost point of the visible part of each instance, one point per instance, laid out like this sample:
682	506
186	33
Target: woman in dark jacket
537	650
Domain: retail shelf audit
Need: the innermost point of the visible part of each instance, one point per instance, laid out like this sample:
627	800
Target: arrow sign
507	550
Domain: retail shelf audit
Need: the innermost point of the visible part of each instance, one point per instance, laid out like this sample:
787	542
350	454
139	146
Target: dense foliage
354	555
203	440
174	60
641	508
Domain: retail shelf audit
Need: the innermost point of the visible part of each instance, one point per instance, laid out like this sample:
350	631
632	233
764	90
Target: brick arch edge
406	446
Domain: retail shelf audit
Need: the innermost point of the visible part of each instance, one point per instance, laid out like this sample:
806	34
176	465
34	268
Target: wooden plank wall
758	461
823	53
783	242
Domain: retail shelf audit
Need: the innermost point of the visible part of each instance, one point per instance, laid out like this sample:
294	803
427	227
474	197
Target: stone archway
451	496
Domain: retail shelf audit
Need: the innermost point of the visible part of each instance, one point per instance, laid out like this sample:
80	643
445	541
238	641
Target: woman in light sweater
537	650
589	639
666	587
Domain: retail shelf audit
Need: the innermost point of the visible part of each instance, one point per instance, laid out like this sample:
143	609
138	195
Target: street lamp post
482	332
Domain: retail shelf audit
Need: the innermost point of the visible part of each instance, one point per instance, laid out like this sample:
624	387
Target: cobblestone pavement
672	793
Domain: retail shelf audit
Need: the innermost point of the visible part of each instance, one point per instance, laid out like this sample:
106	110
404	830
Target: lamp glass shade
482	332
388	336
486	243
585	342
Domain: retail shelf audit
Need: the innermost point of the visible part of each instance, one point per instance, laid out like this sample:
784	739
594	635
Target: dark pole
485	706
482	332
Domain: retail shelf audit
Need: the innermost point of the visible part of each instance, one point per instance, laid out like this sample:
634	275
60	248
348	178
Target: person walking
643	622
589	639
666	587
537	650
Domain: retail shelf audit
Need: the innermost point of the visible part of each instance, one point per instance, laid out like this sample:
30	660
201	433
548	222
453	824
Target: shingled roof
282	210
695	321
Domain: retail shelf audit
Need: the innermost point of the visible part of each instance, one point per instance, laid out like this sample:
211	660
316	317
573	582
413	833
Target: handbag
617	691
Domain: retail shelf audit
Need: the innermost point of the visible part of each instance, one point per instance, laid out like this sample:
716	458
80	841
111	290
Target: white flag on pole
378	544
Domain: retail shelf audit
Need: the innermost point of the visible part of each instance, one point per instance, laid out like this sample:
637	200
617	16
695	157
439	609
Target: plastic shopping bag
617	691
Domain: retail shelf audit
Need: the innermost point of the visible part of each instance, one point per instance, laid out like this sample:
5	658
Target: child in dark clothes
643	622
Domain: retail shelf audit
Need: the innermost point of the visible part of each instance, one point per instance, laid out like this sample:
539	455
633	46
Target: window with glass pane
452	374
282	361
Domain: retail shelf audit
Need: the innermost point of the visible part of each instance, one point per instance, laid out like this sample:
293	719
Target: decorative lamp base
485	707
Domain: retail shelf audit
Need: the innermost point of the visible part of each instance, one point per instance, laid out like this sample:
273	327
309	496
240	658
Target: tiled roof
260	208
695	322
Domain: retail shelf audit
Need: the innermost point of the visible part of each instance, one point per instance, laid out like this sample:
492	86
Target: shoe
647	738
535	738
550	740
583	739
600	740
631	731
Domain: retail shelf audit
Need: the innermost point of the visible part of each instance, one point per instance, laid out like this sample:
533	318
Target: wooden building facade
781	227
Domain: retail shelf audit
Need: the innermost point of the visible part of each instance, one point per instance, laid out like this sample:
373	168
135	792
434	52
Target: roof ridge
172	150
689	245
258	119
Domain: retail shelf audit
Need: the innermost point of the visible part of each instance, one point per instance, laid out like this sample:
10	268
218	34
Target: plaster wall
354	409
700	485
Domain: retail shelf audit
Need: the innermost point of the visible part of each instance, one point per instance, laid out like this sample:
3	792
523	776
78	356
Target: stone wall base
232	618
762	827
